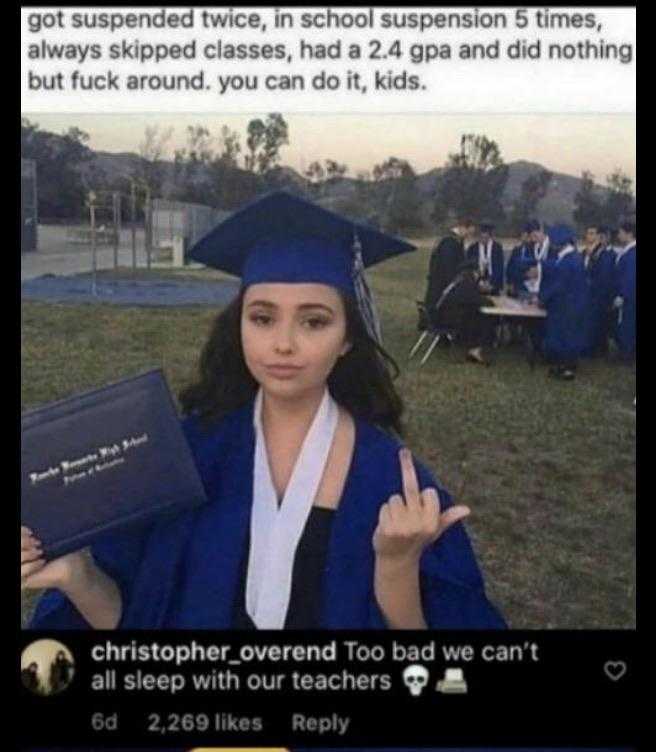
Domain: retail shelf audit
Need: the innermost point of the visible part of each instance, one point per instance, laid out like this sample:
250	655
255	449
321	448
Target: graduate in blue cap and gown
527	269
318	516
599	263
625	291
488	254
564	293
520	255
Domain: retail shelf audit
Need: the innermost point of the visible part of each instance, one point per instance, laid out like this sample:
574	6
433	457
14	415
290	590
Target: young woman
317	516
61	672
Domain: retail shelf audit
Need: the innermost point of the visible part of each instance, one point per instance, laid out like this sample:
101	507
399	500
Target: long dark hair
361	381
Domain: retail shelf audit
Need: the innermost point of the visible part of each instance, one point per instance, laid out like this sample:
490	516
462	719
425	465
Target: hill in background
338	193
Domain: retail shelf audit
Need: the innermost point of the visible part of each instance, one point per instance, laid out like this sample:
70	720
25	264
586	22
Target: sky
599	143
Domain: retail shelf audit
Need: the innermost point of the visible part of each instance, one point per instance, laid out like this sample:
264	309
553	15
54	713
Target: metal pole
149	228
35	204
94	264
133	197
116	210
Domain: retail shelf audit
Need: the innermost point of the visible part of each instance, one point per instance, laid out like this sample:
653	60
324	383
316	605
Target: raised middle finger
410	482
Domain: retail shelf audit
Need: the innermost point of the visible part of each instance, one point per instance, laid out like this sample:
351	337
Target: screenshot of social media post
351	749
328	374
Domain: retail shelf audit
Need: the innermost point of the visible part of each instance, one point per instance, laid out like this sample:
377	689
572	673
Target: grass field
547	467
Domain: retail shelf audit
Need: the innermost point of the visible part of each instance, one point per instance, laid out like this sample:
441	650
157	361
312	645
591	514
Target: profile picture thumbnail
47	667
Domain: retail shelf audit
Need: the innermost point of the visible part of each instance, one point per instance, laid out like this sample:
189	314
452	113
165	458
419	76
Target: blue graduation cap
486	227
561	235
284	238
532	225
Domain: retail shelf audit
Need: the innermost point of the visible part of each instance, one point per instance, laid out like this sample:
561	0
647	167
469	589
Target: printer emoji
453	683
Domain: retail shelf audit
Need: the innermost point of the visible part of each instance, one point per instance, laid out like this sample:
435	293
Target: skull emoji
415	678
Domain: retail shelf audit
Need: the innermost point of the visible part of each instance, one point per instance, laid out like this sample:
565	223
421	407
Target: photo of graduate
278	286
318	516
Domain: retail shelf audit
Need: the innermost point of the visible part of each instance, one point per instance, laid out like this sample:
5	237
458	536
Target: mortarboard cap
486	227
532	225
560	235
284	238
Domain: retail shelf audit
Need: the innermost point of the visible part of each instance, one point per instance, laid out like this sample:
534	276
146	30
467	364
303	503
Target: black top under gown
305	599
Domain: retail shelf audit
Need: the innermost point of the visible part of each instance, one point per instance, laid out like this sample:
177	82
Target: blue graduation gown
184	572
514	275
496	280
564	293
625	286
601	280
522	258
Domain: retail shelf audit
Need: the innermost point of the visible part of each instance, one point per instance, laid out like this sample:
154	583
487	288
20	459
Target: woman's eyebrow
300	307
305	306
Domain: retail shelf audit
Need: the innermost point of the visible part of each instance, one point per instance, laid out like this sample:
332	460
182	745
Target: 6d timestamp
184	723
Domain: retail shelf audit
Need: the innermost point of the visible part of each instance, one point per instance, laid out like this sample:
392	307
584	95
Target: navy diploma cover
104	460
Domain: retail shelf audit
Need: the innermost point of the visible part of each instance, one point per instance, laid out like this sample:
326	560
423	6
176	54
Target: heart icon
615	670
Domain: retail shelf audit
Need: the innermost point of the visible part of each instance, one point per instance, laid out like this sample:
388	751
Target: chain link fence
175	220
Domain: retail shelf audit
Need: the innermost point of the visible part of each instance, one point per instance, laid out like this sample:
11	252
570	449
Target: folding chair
437	332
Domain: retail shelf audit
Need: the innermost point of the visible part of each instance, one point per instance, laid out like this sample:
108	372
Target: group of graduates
59	676
588	292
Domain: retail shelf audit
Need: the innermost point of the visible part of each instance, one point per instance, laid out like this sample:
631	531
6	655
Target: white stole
624	250
542	251
276	530
485	259
569	248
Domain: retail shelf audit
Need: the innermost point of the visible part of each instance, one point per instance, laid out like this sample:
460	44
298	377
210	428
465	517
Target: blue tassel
364	296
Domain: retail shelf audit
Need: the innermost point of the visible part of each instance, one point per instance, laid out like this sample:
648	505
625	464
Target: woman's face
292	336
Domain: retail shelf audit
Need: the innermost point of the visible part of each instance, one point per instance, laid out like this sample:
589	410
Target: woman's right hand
59	573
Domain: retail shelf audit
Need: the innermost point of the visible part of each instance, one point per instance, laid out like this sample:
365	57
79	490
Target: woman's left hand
408	524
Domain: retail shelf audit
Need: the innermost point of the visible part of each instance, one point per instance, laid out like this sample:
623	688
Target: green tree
401	202
334	169
619	202
192	178
533	190
320	175
61	161
316	175
472	182
150	170
588	203
229	147
254	140
264	139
